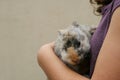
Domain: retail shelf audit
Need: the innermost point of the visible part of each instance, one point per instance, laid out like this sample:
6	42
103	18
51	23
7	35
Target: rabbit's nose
73	56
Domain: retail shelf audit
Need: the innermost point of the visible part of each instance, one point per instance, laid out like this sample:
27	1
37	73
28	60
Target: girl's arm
107	65
54	68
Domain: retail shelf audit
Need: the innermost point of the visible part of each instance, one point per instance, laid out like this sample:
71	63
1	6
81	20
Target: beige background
27	24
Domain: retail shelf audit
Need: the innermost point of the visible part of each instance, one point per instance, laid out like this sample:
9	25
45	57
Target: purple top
99	36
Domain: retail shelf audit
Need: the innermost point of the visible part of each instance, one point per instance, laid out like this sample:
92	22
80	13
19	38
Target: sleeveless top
101	31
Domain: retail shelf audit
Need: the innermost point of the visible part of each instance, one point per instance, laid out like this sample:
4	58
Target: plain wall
25	25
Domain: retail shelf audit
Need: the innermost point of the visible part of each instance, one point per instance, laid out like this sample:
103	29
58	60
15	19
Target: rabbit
72	46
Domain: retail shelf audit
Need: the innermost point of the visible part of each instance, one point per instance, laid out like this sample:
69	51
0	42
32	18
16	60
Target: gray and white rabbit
72	46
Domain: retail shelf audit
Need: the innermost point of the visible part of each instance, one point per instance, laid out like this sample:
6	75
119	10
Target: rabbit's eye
69	43
76	43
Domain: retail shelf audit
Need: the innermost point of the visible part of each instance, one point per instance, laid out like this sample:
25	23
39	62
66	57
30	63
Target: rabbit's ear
75	24
61	32
92	30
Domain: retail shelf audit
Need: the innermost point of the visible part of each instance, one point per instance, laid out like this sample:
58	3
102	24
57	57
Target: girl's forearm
54	68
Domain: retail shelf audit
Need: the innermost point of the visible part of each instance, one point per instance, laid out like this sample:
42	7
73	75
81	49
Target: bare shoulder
108	62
